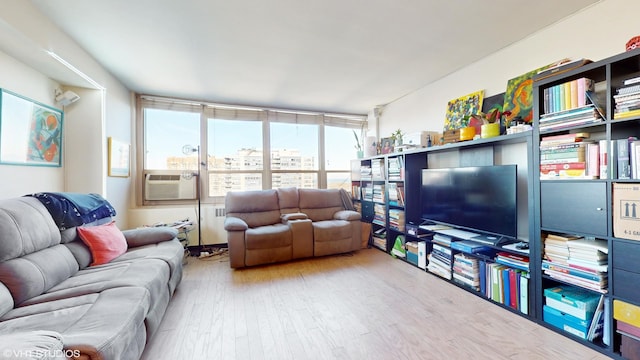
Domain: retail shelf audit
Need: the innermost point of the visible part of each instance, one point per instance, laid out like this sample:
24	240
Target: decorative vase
467	133
360	154
490	130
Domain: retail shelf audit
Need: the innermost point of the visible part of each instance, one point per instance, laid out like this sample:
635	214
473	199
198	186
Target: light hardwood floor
365	305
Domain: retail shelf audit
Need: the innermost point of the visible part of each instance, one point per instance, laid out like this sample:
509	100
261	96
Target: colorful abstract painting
30	132
518	98
459	110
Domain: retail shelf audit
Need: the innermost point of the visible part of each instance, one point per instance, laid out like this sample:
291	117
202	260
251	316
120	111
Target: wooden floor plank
354	306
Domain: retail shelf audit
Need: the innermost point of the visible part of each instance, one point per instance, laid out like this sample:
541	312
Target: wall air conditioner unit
169	187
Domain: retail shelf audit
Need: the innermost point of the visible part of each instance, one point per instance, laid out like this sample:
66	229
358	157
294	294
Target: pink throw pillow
106	242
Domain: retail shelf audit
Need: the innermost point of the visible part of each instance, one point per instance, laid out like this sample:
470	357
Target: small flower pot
490	130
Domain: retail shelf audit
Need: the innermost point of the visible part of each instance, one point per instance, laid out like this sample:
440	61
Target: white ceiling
339	56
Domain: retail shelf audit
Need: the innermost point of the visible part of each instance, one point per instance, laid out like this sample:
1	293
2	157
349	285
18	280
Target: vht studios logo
630	209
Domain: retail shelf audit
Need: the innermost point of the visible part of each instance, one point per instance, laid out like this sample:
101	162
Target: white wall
595	33
21	180
25	34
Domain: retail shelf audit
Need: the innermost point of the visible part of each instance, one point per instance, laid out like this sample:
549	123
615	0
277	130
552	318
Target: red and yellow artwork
518	99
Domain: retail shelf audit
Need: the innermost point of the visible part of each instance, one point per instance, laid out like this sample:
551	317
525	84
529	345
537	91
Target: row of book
378	194
574	156
576	260
627	99
566	96
396	168
505	285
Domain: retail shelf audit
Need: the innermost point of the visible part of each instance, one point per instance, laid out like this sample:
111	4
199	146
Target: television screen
481	198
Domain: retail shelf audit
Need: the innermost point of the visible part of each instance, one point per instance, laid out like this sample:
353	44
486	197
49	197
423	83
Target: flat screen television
480	198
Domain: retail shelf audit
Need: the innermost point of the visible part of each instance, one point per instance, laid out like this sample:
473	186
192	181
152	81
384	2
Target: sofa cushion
35	273
256	208
150	274
106	242
25	227
267	237
331	230
104	325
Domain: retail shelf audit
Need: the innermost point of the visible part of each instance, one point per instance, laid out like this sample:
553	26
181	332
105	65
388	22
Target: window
235	157
165	133
244	148
339	150
294	155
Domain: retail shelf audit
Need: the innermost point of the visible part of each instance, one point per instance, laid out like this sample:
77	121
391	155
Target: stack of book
380	239
367	192
365	172
396	194
379	215
569	156
585	264
396	168
517	261
440	261
377	169
627	99
378	193
556	250
466	271
569	104
396	219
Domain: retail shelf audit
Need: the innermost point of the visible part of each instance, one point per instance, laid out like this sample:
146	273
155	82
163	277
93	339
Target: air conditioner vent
169	187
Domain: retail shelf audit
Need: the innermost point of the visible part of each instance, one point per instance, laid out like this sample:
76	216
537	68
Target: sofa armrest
293	216
149	235
348	215
235	224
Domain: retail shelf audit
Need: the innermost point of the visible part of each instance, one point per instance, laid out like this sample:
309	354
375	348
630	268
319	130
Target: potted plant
396	136
490	122
358	146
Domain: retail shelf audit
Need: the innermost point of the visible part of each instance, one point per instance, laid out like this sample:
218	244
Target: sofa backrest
32	260
288	200
320	204
256	208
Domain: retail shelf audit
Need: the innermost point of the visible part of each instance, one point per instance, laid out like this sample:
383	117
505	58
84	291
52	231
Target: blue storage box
412	258
571	300
566	322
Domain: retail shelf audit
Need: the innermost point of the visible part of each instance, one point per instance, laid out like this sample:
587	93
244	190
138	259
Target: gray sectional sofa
277	225
106	311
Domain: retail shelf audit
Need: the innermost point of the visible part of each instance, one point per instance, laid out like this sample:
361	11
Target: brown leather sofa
278	225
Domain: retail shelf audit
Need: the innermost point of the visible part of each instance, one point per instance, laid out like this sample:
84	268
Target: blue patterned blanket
75	209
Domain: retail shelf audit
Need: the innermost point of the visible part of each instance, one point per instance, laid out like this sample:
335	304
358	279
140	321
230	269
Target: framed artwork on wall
30	132
119	158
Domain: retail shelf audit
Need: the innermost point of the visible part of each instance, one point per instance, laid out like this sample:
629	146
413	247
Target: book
563	138
524	294
604	158
560	67
593	160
